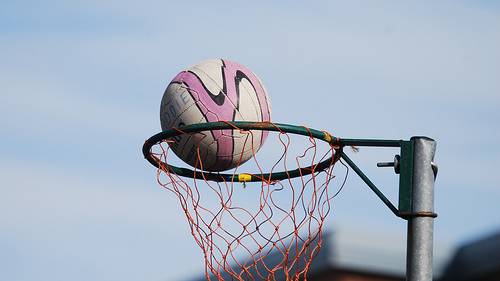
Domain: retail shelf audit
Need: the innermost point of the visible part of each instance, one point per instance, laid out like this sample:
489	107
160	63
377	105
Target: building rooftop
477	260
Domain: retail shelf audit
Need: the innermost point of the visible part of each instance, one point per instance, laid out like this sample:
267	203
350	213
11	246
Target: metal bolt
394	164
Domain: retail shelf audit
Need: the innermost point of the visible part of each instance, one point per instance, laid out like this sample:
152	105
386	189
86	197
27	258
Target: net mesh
265	230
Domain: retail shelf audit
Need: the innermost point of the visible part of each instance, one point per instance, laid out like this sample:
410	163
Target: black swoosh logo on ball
218	99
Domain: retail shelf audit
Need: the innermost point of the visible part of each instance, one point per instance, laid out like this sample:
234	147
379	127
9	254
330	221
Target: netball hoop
264	219
271	225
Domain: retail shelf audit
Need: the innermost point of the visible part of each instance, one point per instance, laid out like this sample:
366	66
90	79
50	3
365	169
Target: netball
211	91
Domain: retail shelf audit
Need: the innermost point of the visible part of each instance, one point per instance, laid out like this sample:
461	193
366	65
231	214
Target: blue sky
82	83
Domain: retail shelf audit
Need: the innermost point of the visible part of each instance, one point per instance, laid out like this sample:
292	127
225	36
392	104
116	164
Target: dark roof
476	260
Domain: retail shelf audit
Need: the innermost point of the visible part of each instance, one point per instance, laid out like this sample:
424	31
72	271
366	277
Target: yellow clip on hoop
328	138
244	177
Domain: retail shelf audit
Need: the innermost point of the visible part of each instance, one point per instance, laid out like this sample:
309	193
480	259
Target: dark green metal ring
242	177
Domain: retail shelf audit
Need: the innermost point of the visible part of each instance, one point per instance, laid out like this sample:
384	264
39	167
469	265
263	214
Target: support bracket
403	165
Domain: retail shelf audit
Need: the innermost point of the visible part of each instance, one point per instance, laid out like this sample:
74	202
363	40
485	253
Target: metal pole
421	222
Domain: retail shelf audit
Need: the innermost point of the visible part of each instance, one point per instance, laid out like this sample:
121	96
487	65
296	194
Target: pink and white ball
210	91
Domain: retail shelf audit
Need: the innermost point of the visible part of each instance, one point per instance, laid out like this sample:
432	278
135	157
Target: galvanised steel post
421	221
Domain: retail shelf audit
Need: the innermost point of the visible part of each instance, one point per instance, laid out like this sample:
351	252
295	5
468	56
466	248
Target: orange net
263	230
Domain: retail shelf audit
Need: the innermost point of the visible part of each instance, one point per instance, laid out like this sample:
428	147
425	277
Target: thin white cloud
38	107
35	195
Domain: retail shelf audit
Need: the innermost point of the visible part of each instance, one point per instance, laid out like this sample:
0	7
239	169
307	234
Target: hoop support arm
370	184
405	210
369	142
